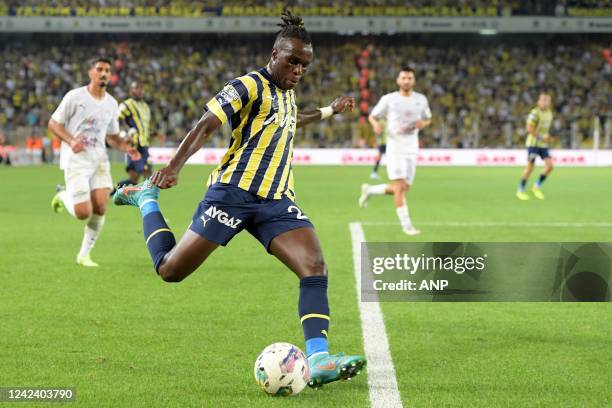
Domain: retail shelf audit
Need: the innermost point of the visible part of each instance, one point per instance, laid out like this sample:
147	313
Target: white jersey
401	114
89	119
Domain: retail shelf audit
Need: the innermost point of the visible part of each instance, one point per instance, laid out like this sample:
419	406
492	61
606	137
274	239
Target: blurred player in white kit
85	121
405	112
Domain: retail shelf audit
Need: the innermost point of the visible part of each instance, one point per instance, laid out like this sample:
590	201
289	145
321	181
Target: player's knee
316	266
171	272
82	214
172	277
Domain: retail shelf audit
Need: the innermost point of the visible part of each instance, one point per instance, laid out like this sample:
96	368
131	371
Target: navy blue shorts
382	148
142	165
226	210
534	152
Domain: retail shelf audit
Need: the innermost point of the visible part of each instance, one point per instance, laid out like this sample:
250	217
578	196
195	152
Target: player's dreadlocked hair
292	27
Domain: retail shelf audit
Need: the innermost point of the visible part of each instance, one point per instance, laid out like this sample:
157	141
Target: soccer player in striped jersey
539	122
135	113
253	189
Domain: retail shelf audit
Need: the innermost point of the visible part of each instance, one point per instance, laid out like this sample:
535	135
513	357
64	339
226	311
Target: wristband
326	112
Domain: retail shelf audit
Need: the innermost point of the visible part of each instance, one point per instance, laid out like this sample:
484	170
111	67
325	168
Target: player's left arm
425	118
117	142
339	105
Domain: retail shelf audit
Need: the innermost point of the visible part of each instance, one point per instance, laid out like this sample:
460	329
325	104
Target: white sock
404	217
67	200
92	230
377	189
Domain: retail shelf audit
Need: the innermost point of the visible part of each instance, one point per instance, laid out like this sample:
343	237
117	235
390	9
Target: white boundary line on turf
382	382
486	224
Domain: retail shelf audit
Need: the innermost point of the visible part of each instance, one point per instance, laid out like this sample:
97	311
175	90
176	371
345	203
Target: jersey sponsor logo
274	118
221	216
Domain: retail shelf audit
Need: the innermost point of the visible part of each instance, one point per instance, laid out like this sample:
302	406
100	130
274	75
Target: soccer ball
282	369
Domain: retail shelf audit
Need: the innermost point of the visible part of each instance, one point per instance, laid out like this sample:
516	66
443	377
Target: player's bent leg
368	190
83	210
99	200
191	252
171	261
300	250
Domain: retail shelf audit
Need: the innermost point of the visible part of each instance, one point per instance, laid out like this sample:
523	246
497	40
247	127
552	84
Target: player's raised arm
168	176
339	105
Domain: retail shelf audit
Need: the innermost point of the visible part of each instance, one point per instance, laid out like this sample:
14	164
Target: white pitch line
486	224
382	383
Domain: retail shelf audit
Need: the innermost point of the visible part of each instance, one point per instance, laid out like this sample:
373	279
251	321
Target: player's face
406	80
544	101
100	74
290	59
137	90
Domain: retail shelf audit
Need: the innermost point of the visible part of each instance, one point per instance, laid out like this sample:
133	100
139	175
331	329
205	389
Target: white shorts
401	167
82	180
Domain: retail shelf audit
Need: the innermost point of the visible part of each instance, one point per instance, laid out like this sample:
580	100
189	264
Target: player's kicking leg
300	251
173	262
548	167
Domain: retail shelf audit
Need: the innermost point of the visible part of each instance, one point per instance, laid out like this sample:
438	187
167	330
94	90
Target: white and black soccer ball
282	369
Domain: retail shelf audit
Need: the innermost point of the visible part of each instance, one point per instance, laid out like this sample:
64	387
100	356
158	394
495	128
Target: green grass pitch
122	337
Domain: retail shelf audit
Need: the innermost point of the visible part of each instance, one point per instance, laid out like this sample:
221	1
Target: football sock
540	180
90	235
377	189
158	237
522	185
403	216
126	182
313	311
67	200
375	170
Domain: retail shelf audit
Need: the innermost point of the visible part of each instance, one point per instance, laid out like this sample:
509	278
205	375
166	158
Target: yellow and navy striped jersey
263	119
542	121
137	115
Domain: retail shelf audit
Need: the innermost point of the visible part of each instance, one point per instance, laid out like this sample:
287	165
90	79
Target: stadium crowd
198	8
479	90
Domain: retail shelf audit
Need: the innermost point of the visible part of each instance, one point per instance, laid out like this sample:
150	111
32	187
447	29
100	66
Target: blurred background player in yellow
136	114
539	122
